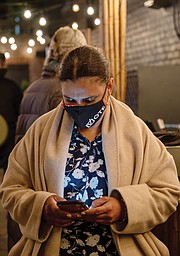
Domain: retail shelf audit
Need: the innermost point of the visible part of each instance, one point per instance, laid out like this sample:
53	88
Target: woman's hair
85	62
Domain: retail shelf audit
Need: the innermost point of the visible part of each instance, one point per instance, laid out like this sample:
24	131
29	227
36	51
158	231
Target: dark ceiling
58	13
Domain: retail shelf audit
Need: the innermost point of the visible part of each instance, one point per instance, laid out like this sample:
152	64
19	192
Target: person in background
11	96
90	148
45	93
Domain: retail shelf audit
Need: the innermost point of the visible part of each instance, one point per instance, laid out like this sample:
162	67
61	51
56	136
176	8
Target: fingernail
68	215
83	213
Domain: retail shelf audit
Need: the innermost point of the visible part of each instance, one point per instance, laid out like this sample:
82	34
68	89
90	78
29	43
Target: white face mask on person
86	116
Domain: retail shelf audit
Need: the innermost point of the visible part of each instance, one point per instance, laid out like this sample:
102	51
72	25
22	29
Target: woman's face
84	91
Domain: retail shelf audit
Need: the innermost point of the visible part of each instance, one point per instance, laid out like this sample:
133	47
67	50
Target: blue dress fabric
86	180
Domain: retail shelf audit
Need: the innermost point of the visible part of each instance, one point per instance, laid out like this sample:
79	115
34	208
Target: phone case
72	206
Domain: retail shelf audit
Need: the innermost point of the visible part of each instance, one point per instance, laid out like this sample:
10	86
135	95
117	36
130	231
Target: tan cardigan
138	166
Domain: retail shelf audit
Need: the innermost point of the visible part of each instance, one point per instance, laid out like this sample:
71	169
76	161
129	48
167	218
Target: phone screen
72	206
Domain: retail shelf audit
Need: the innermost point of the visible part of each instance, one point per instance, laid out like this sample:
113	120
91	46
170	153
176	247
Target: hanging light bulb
31	42
27	14
42	21
75	8
39	33
29	50
97	21
3	40
11	40
90	10
13	47
42	40
75	25
7	55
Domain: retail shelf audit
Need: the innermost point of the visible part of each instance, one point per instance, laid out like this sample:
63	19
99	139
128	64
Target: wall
151	41
151	37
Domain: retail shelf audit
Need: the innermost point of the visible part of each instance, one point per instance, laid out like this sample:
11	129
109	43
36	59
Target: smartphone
72	205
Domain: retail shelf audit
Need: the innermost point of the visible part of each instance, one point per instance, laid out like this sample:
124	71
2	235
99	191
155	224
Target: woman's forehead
82	88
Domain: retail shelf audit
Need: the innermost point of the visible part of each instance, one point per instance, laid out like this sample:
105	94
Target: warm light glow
75	8
90	10
42	40
11	40
148	3
3	40
75	25
97	21
31	42
7	55
29	50
27	14
39	33
13	47
39	38
42	21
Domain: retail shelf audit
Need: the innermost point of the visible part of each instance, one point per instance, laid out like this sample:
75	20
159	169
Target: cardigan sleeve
154	197
23	191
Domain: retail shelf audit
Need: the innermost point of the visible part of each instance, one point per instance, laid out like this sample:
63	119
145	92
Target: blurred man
10	99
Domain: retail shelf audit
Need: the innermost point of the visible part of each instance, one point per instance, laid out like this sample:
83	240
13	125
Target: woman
93	148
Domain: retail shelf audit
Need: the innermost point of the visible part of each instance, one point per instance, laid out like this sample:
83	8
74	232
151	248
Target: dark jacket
11	96
40	97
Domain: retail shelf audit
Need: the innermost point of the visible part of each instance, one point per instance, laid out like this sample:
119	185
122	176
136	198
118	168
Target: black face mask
86	116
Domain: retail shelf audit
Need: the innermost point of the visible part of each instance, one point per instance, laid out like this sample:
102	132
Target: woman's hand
53	215
105	210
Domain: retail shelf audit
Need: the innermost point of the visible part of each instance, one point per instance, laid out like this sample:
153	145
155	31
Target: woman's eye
70	100
89	100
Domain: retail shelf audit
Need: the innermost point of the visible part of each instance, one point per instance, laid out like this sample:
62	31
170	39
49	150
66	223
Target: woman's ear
110	85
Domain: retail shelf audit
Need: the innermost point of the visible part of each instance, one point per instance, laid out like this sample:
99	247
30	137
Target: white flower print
69	155
78	174
98	193
94	254
92	240
100	161
101	248
80	242
65	243
100	174
84	148
93	182
94	166
66	181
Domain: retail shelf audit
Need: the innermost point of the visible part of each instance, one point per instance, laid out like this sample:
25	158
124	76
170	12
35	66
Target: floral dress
86	180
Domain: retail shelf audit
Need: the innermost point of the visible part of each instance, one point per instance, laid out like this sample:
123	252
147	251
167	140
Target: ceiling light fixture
27	14
42	21
157	4
90	10
75	8
75	25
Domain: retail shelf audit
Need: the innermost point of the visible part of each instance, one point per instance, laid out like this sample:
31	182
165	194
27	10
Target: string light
39	33
19	27
7	55
3	40
13	47
75	25
75	8
31	42
29	50
27	14
97	21
11	40
42	21
90	10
